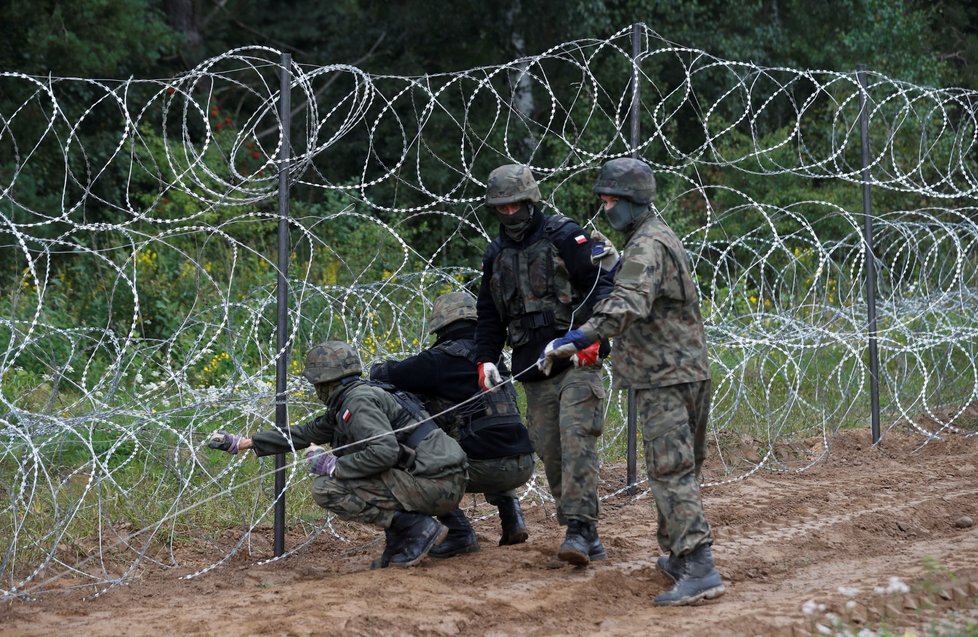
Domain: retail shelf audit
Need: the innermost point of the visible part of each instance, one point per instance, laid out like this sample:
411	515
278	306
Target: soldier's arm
316	431
363	419
587	278
490	332
637	285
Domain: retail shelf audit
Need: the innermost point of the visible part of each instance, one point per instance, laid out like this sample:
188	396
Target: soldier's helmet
511	183
330	361
628	178
449	308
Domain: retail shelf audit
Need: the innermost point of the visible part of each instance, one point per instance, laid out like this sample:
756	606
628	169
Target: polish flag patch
580	239
346	415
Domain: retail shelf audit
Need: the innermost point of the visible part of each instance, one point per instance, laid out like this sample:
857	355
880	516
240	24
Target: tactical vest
489	409
531	286
412	410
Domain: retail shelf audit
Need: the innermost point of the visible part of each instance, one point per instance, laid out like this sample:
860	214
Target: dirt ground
868	537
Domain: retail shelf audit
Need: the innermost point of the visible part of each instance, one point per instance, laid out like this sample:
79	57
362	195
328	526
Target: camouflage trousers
375	499
499	477
565	417
673	421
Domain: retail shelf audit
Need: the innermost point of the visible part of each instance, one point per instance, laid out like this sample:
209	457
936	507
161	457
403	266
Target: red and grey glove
321	462
489	376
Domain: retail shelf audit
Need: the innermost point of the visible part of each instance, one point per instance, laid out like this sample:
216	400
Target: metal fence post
874	364
282	300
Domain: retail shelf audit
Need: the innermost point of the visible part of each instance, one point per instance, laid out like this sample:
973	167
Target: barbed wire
160	239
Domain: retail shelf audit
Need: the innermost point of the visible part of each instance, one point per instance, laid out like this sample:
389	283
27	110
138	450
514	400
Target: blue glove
562	347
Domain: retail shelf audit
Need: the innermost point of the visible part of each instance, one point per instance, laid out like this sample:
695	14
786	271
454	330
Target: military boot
460	539
595	549
391	546
699	580
511	518
671	567
581	544
417	533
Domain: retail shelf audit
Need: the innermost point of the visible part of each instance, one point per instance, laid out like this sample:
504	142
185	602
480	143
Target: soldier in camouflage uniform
660	352
487	425
381	470
538	280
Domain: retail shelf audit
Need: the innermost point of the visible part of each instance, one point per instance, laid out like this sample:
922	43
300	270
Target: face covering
326	391
516	224
623	214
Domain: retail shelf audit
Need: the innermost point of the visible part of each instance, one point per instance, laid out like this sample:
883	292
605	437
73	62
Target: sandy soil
796	549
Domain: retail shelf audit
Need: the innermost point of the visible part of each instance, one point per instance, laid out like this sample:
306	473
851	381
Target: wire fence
139	299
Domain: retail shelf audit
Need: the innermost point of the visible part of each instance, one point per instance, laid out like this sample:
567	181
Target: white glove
603	251
489	376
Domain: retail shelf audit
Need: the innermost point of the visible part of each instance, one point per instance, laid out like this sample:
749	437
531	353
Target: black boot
417	533
391	546
460	539
671	567
699	580
511	518
581	544
595	549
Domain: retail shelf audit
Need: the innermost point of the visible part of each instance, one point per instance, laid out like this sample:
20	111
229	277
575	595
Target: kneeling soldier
380	473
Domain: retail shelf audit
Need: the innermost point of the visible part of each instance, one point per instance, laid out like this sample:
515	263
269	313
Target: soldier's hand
603	251
224	441
563	347
321	462
587	356
489	376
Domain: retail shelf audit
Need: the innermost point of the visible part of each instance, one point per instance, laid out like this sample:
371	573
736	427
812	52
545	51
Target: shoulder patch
580	239
346	415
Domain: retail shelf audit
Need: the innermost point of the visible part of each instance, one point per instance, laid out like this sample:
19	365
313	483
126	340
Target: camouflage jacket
653	312
356	415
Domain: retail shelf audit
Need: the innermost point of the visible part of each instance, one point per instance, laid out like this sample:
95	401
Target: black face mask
516	224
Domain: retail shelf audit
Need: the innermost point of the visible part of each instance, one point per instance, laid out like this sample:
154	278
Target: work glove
562	347
587	356
489	376
224	442
321	462
603	251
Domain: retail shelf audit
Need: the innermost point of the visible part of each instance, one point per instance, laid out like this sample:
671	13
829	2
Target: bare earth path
829	539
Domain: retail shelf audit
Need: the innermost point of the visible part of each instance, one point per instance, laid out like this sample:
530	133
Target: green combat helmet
511	183
630	180
330	361
448	308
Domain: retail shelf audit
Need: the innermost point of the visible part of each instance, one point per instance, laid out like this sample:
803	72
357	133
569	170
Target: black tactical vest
530	284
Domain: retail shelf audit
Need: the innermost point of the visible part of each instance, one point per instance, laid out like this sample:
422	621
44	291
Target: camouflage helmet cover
330	361
511	183
448	308
628	178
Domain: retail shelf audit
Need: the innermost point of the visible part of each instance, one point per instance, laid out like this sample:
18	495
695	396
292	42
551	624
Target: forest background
925	43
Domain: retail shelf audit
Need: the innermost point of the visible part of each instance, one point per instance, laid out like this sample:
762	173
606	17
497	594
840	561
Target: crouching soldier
378	472
487	425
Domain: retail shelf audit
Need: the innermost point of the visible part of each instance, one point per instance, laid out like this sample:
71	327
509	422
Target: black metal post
282	300
874	359
631	453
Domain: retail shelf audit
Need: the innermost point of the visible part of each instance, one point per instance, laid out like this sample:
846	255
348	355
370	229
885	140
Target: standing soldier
382	471
487	425
660	352
538	281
